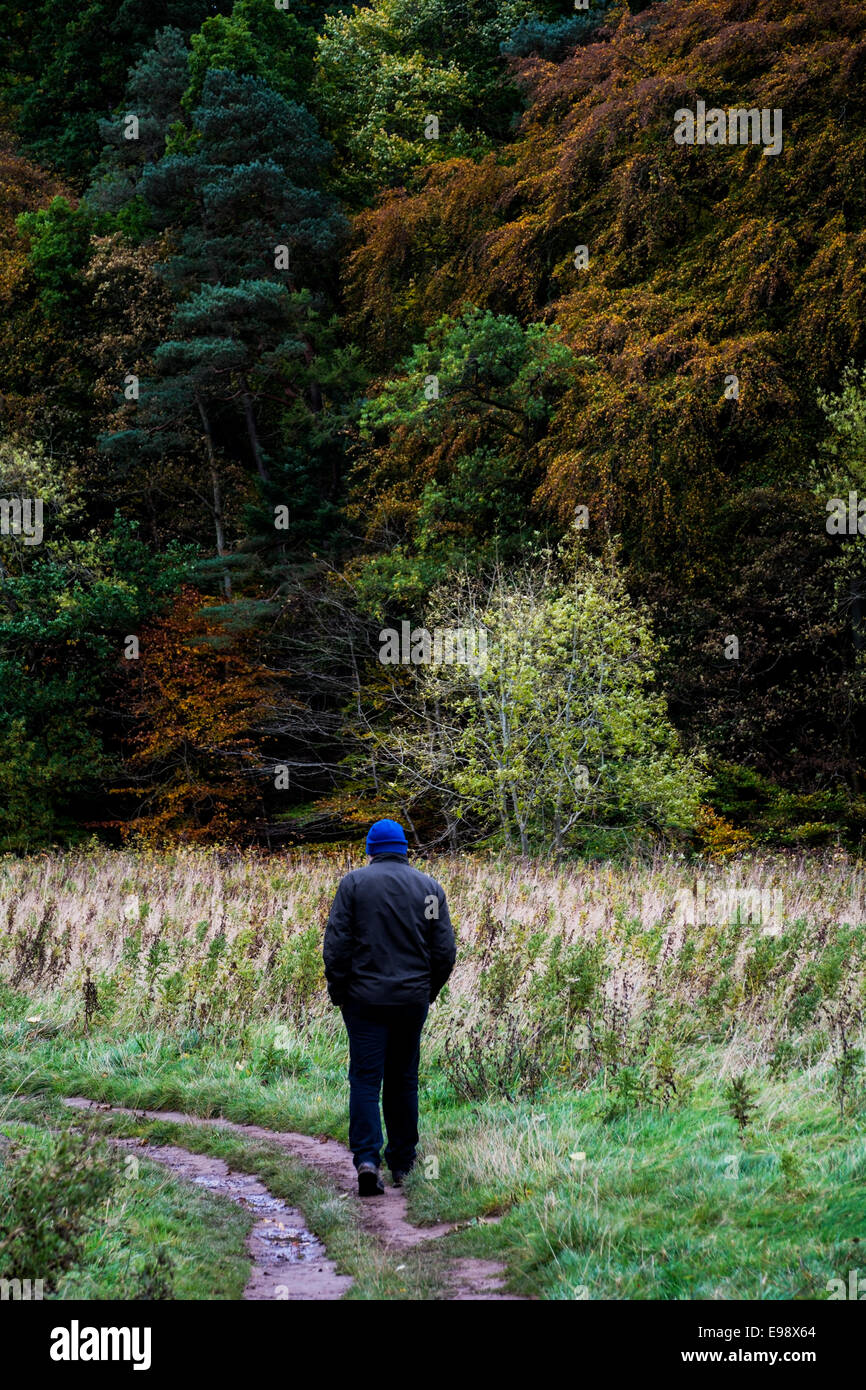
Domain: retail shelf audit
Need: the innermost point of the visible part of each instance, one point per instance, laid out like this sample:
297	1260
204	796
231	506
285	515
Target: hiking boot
399	1175
369	1182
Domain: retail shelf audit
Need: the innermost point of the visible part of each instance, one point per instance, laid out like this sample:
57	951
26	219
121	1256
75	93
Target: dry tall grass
206	934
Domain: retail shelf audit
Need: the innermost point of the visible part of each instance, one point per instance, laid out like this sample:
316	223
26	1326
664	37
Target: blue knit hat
387	837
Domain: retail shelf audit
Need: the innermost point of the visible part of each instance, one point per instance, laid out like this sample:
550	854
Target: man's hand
337	945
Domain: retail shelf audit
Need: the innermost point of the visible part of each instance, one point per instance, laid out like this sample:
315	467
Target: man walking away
389	948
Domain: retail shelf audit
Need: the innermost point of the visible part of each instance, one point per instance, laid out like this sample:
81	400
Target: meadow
654	1101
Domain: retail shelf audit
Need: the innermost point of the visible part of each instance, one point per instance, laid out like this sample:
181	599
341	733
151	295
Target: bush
500	1057
47	1202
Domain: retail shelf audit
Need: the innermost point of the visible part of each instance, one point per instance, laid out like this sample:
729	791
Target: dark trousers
384	1049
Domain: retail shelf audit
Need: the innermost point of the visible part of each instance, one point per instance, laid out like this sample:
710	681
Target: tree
58	250
722	297
713	308
257	40
842	462
384	69
61	79
250	225
248	186
448	457
66	605
196	702
28	343
153	96
545	732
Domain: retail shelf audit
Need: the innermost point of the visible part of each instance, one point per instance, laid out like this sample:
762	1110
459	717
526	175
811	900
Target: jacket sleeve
339	937
443	947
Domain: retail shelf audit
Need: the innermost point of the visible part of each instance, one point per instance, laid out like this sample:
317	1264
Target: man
389	948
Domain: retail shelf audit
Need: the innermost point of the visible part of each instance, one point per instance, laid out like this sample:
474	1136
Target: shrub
498	1057
47	1202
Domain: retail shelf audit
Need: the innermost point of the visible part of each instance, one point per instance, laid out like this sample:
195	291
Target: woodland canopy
294	363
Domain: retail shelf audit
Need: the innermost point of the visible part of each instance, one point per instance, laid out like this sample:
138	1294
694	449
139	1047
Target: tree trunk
855	593
218	526
218	520
253	432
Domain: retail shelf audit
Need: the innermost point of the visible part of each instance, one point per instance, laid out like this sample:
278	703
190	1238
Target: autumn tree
540	727
710	296
196	704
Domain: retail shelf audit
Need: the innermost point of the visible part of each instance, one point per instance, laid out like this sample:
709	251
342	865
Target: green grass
671	1203
583	1017
149	1237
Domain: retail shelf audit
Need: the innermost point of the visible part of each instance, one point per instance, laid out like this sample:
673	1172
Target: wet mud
383	1217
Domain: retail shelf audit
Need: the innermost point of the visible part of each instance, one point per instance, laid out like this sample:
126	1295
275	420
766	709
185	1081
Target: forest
433	432
319	320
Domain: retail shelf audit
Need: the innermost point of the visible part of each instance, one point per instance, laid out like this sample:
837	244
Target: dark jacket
389	938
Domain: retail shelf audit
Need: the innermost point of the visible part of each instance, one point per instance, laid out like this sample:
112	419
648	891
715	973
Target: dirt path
382	1217
288	1262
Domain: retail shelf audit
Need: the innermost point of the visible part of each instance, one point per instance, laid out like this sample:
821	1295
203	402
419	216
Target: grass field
652	1072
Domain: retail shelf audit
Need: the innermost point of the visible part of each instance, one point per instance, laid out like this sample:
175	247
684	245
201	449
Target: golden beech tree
710	293
201	703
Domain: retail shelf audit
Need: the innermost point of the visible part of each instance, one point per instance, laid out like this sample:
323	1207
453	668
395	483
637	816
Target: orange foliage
718	837
703	261
198	703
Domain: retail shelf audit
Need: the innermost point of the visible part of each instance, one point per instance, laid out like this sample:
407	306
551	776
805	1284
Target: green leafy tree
66	607
58	250
447	467
257	40
61	78
544	731
382	70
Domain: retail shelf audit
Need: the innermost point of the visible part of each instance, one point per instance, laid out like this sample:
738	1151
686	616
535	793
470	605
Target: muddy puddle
288	1261
385	1218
